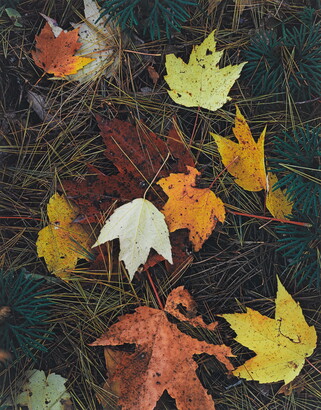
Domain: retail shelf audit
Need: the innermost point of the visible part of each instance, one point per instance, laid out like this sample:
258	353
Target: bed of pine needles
238	264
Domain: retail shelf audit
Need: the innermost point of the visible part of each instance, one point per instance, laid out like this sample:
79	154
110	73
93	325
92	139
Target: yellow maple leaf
190	207
281	344
245	159
201	83
276	201
62	242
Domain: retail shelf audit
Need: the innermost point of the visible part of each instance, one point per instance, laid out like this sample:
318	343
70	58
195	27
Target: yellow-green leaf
201	83
276	201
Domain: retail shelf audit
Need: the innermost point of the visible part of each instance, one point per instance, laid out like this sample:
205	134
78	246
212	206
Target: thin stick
284	221
19	217
223	170
312	365
160	304
194	128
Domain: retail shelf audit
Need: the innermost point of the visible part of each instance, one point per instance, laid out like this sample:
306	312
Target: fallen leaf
245	159
276	201
56	55
190	207
153	74
138	154
101	41
43	393
201	83
139	226
281	344
163	357
63	242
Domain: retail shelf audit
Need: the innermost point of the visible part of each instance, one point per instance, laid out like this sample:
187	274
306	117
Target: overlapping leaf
56	55
63	242
140	226
137	154
190	207
163	357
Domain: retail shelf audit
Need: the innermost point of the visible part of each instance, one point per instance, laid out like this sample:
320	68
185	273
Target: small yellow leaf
201	83
276	201
62	242
245	159
281	344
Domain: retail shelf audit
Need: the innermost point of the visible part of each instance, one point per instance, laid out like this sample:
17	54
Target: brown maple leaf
138	154
55	55
163	357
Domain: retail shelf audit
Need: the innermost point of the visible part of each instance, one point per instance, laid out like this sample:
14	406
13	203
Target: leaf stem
223	170
285	221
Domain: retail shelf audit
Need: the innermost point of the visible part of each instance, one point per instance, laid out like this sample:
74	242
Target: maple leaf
62	242
138	155
245	160
201	83
190	207
163	358
43	392
55	55
139	226
281	344
276	201
99	40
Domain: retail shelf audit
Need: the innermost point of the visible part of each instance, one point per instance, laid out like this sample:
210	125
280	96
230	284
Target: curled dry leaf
245	159
56	55
281	344
163	357
201	83
190	207
63	242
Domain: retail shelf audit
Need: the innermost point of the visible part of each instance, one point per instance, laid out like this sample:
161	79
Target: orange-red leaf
55	55
163	358
190	207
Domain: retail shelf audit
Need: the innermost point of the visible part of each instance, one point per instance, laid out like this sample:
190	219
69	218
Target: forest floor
49	134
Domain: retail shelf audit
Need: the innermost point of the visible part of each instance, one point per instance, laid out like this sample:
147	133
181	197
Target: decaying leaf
56	55
139	226
163	357
62	242
190	207
201	83
276	201
245	159
43	393
281	344
138	154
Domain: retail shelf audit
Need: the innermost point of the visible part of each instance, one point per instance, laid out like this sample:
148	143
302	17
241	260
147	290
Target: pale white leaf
43	393
140	226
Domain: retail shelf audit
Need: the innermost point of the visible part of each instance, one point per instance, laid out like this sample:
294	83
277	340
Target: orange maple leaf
190	207
163	358
55	55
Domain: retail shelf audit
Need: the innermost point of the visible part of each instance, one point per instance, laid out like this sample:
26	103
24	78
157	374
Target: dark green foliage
149	14
301	246
297	159
286	64
25	308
